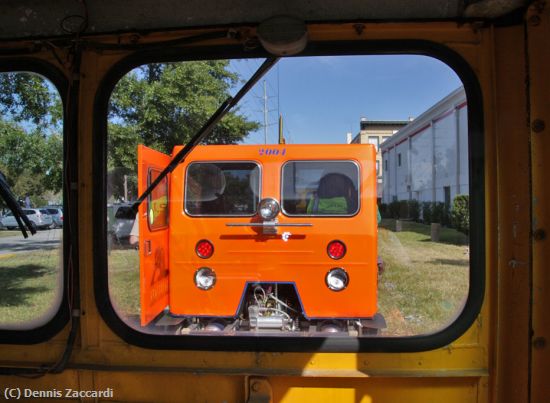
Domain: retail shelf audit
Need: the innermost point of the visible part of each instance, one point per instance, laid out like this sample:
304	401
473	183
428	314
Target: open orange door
153	234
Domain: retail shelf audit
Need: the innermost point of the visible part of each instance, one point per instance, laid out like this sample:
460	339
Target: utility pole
126	188
281	137
265	114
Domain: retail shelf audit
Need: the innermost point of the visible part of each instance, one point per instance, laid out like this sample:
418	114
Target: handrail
267	224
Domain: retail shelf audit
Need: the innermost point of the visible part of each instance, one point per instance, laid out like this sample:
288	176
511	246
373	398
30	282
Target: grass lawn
422	288
425	283
124	281
29	285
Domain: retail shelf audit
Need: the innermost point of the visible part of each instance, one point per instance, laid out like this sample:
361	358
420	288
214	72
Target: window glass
374	141
157	209
125	212
222	188
274	225
31	159
320	188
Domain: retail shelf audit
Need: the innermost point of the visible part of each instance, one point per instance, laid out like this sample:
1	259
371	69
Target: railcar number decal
271	151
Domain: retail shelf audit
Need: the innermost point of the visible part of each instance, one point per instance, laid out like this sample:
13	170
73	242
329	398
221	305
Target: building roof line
385	122
455	100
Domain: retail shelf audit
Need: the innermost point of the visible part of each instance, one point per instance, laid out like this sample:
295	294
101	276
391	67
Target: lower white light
205	278
337	279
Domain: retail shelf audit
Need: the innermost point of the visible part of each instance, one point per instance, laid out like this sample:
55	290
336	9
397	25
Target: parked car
124	218
38	217
57	215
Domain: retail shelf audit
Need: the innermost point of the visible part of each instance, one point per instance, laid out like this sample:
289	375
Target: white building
375	132
427	160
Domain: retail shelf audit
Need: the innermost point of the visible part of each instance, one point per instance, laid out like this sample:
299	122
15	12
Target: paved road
42	240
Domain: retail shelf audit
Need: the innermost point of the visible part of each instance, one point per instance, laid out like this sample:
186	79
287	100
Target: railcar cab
278	238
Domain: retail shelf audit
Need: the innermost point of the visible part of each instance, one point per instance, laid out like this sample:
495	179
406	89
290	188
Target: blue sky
323	98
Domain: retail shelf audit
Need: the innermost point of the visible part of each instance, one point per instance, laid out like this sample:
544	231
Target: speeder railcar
270	238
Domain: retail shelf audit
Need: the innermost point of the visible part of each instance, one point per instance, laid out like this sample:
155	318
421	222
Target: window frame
69	243
423	342
377	144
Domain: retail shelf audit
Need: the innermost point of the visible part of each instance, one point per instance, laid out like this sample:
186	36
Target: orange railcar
269	236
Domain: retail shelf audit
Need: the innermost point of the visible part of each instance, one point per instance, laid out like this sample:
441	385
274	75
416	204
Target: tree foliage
28	97
159	105
31	161
460	213
31	143
163	105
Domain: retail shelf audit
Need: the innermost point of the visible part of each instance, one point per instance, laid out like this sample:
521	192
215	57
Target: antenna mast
265	114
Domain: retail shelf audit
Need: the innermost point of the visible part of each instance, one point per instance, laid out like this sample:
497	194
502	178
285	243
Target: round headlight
337	279
205	278
268	209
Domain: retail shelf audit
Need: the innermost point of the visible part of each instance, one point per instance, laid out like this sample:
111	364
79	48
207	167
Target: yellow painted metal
315	364
488	363
511	331
418	390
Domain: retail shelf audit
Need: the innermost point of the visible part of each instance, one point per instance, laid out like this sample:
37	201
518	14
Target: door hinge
258	390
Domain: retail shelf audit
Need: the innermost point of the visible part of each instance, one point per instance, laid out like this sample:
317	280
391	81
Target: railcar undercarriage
271	309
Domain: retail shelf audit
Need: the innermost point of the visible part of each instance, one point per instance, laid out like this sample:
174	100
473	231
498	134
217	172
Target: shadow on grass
451	262
32	245
449	239
14	290
447	235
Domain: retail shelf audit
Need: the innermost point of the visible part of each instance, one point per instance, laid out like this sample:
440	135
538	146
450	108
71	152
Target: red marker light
336	249
204	249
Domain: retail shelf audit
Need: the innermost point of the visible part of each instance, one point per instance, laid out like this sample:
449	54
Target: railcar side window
157	203
320	188
31	159
332	201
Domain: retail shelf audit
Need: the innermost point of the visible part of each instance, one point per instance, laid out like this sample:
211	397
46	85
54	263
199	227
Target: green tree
28	97
31	161
460	213
31	146
164	105
160	105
